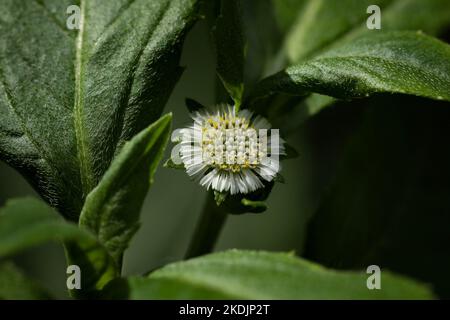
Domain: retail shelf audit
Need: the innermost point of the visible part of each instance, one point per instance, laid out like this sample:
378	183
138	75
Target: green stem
208	229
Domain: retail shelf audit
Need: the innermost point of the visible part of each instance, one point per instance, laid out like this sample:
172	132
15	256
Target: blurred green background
371	185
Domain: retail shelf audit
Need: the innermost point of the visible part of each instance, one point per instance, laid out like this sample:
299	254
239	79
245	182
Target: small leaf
14	285
28	222
397	62
261	275
170	164
220	197
252	202
112	209
230	48
193	105
254	206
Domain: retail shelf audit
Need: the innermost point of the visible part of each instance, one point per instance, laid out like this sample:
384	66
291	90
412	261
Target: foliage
81	120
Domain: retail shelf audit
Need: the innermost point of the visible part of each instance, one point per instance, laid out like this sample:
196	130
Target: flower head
230	152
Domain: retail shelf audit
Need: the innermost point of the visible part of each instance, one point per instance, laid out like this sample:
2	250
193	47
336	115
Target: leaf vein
86	181
39	150
41	4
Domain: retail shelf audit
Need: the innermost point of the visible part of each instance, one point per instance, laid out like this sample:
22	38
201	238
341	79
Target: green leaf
111	211
239	274
254	206
220	197
28	222
172	165
315	26
14	285
71	98
398	62
230	48
431	17
253	202
322	24
239	204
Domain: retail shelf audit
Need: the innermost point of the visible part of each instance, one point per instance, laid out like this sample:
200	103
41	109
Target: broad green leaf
239	274
431	17
389	202
397	62
230	48
112	209
28	222
324	23
14	285
321	22
70	98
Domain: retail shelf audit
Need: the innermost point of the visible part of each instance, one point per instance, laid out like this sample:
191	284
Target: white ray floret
230	152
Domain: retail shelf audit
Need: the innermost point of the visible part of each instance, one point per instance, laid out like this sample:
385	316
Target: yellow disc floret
230	143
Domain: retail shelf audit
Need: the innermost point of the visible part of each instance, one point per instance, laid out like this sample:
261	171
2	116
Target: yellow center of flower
231	143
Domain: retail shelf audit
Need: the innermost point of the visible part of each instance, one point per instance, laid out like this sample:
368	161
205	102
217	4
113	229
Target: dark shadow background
371	186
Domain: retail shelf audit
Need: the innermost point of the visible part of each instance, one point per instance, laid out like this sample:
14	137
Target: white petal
207	180
268	171
248	181
196	170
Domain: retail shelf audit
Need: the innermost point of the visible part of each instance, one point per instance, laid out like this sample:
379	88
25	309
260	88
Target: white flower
230	152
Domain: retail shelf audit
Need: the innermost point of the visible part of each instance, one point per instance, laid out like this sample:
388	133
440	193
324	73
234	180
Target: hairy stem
208	228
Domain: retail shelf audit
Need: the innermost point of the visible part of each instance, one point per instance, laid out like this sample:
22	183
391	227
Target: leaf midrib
85	176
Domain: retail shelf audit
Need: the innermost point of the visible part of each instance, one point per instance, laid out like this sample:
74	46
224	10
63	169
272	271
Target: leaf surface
71	98
239	274
397	62
111	211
